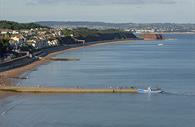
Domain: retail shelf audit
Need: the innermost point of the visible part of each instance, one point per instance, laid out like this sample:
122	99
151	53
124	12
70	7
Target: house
38	43
81	41
24	31
14	32
18	38
16	41
54	42
145	30
4	31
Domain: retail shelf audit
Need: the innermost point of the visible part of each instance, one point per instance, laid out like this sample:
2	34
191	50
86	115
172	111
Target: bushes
101	35
4	46
17	26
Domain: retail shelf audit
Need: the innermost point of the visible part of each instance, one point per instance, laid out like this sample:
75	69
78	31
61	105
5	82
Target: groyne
65	90
60	59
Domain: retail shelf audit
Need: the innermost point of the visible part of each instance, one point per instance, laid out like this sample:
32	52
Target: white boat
149	91
160	44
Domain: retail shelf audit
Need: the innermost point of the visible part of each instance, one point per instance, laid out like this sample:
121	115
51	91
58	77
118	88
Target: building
16	41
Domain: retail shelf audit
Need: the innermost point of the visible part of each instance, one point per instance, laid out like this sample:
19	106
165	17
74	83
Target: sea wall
18	62
25	60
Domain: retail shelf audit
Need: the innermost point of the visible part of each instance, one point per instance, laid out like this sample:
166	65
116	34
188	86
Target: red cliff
153	37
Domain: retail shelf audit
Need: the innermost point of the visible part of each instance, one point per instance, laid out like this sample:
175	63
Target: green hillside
18	26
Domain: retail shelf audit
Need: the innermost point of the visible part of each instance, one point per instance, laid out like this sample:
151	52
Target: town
17	41
28	42
134	27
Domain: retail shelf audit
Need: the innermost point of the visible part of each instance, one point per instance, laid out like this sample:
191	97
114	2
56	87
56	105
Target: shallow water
170	66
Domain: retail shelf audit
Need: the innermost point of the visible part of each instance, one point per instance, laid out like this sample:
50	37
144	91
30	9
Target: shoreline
16	72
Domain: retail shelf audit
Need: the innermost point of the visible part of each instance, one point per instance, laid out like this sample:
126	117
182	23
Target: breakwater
59	59
65	90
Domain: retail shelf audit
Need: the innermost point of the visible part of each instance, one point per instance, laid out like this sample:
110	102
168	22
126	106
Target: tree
18	26
26	47
4	46
67	32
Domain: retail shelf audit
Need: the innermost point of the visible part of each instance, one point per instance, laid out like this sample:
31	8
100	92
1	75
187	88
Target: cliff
153	37
107	36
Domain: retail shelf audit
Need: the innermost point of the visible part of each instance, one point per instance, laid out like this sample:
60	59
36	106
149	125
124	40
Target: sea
168	64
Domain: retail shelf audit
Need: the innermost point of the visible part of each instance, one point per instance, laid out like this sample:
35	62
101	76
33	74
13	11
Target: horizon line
99	22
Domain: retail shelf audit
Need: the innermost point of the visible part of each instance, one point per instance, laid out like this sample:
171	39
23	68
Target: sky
113	11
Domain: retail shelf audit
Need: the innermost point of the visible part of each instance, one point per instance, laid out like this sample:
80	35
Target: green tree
67	32
26	47
4	46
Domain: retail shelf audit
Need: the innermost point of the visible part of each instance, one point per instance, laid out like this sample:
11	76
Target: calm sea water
170	66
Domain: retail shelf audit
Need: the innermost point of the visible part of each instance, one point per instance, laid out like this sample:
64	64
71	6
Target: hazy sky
137	11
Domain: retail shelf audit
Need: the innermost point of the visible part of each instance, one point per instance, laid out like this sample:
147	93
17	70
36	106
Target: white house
38	43
16	41
53	42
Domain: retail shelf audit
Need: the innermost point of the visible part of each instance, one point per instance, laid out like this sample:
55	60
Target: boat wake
3	113
159	91
178	93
